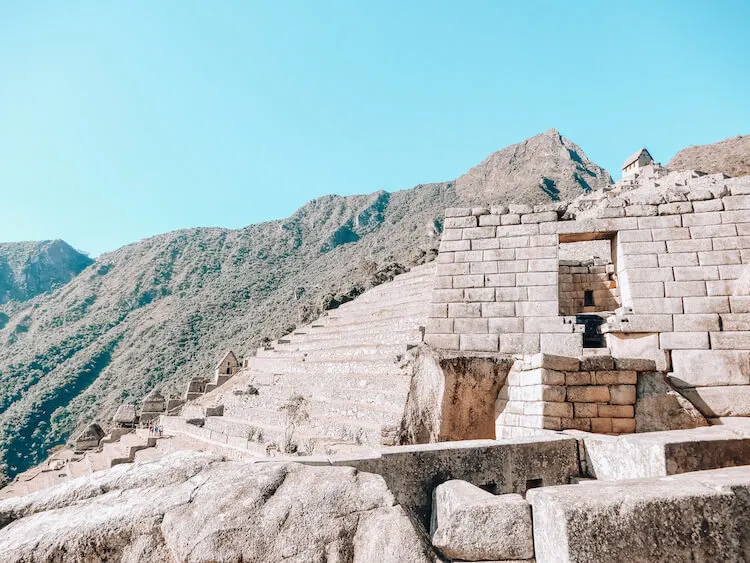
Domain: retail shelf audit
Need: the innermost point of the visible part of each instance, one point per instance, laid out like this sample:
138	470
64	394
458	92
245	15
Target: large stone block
471	524
733	400
701	368
659	406
655	454
696	517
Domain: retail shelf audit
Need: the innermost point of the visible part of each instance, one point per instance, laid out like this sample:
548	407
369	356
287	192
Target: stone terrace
347	365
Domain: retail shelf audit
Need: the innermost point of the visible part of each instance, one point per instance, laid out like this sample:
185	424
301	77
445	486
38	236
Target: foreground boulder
213	511
471	524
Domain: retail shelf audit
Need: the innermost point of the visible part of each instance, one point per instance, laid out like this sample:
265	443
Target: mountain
30	268
547	166
159	311
730	156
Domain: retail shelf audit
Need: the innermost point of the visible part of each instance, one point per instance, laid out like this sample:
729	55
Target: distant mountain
547	166
30	268
156	312
730	156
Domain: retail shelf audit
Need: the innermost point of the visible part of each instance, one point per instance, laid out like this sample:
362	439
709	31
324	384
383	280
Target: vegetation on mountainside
730	156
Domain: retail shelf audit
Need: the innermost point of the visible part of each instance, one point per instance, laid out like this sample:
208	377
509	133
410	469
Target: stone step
412	335
239	407
357	352
311	380
361	396
360	324
293	365
420	296
332	429
375	313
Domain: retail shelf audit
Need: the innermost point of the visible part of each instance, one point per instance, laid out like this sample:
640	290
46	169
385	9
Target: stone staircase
347	365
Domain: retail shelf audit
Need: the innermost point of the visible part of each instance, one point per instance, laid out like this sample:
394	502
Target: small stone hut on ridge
125	417
637	160
89	438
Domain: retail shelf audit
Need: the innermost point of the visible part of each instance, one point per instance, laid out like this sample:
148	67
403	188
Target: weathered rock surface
547	167
471	524
730	156
196	507
659	407
702	516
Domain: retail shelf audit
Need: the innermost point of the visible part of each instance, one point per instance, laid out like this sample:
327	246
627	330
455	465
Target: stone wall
596	394
578	277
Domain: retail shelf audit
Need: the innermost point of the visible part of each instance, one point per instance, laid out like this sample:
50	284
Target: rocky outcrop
730	156
196	507
547	167
30	268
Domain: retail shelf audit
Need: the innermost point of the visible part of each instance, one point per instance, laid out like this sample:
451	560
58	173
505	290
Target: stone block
518	230
555	362
482	267
542	217
510	219
543	265
713	231
694	273
537	309
585	410
700	368
732	271
561	344
498	254
578	378
641	210
445	257
469	280
453	269
479	294
676	208
498	309
706	305
471	524
452	234
699	517
479	342
454	245
543	240
616	411
444	326
635	364
597	363
485	244
736	202
478	232
601	425
512	266
500	280
707	206
536	252
628	248
734	321
458	211
520	208
472	256
719	257
659	222
439	310
622	394
460	222
673	233
720	287
511	343
489	220
442	341
615	377
635	236
443	282
742	216
499	209
642	261
730	340
542	293
623	425
464	309
665	306
739	304
678	259
649	274
511	294
447	295
513	242
536	278
696	323
505	325
647	289
554	409
719	401
683	340
588	394
469	326
697	245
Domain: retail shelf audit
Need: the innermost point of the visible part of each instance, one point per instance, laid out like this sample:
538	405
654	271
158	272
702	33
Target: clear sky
120	120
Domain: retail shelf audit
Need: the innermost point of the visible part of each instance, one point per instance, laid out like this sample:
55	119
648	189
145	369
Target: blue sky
120	120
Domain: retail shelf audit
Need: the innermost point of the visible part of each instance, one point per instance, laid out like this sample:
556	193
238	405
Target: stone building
229	365
153	405
637	160
89	438
125	416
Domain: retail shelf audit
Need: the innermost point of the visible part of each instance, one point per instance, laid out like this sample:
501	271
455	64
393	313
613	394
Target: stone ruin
90	437
560	374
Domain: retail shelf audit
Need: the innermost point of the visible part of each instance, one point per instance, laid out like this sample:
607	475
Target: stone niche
587	277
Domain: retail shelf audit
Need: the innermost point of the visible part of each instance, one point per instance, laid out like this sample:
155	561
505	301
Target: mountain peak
541	168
